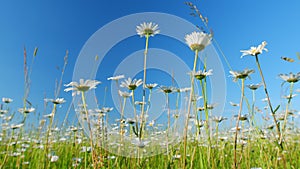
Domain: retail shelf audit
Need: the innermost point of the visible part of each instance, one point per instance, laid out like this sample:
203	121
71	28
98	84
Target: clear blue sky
56	26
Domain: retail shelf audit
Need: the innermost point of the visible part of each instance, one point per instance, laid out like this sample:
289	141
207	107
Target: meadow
191	137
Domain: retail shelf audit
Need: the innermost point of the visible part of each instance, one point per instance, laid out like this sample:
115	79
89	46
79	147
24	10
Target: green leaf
276	109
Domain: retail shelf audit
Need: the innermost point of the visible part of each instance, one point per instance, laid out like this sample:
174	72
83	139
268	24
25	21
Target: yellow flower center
148	31
200	76
83	88
197	47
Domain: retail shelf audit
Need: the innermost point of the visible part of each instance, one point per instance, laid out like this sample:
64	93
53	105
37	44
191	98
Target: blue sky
57	26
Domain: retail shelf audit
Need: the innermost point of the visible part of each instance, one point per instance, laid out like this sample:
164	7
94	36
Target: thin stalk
144	85
90	130
135	116
189	111
287	109
167	133
269	102
237	124
203	87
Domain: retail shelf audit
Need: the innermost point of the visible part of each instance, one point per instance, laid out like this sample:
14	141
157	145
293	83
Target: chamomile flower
131	84
218	119
56	101
197	41
254	51
147	29
26	110
7	100
202	74
166	89
254	86
291	78
125	94
16	126
241	74
82	86
151	86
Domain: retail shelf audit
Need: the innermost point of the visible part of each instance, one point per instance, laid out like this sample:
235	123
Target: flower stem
144	85
189	111
287	109
90	129
237	124
269	102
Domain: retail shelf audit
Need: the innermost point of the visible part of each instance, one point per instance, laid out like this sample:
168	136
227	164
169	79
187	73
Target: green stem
269	102
237	124
144	85
135	115
287	108
89	128
189	111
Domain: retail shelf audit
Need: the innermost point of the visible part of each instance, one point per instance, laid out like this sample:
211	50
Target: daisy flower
56	101
241	74
166	89
202	74
218	119
125	94
197	41
26	110
254	51
147	29
7	100
151	86
291	78
254	86
131	84
82	86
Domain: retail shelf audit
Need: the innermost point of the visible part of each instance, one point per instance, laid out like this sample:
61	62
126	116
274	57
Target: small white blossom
254	51
147	29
